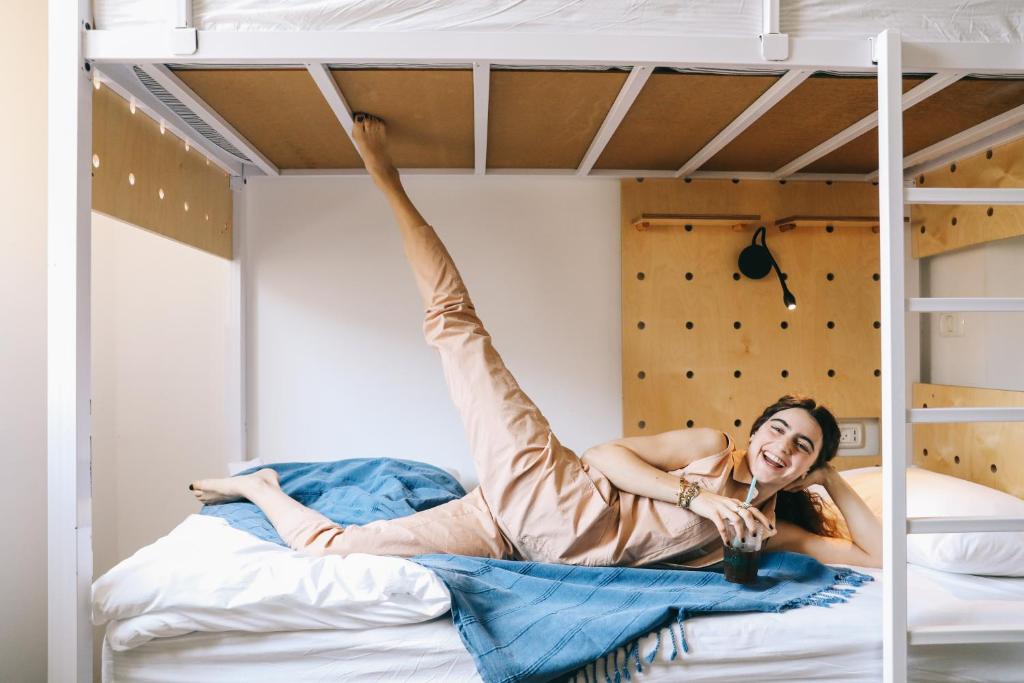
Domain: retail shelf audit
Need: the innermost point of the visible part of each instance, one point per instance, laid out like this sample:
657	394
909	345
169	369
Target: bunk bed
708	90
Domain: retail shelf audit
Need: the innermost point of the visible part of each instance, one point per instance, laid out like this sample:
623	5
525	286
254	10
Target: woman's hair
803	508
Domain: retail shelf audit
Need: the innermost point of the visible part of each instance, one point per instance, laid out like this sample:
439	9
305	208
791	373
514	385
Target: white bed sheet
838	644
919	20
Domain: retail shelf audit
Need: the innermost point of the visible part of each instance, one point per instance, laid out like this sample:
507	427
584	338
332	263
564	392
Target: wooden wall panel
817	109
280	111
966	103
675	115
176	192
664	300
938	229
986	453
547	119
429	112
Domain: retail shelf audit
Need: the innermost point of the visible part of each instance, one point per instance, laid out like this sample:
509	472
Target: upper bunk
653	89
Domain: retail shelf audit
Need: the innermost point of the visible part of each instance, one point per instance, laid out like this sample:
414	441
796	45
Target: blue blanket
527	621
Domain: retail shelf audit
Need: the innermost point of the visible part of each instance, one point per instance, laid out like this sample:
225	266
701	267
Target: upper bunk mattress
989	21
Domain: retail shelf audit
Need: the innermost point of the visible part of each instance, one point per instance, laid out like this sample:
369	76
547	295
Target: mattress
918	20
837	644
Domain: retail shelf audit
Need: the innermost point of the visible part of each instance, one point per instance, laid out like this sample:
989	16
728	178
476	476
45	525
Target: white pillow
930	494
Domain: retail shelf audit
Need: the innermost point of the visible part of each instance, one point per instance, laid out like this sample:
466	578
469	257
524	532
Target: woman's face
784	447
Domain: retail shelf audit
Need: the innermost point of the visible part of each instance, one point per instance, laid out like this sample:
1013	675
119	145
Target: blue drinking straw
750	491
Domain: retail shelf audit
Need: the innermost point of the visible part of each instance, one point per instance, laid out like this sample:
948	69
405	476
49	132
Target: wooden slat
675	115
664	300
986	453
126	143
647	221
547	119
933	228
820	107
966	103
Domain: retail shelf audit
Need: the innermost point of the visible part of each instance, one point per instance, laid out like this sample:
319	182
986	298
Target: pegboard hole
878	373
641	374
641	325
952	221
952	168
924	405
830	277
640	276
993	469
785	276
877	325
737	325
784	325
924	452
988	154
688	228
687	180
831	325
735	181
736	276
737	422
689	325
689	374
830	228
876	277
782	182
131	179
831	372
641	424
920	180
737	374
922	229
785	373
689	423
989	211
956	459
689	276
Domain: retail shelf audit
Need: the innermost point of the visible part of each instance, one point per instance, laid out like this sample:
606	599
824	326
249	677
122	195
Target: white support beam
963	525
868	123
895	434
762	104
172	84
964	415
958	144
68	346
332	93
620	107
481	112
986	196
965	305
954	634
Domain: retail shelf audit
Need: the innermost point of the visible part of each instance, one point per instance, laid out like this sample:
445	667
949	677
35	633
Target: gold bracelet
687	492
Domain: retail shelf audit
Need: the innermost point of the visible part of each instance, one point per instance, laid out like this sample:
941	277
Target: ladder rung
963	195
960	525
944	415
951	635
962	305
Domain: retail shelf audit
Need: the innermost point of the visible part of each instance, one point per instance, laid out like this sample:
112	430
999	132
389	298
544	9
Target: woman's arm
863	548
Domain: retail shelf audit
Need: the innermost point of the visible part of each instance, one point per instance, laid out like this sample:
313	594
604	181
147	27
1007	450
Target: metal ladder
897	436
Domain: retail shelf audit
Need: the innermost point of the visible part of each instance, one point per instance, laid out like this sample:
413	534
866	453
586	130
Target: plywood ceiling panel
429	112
675	115
966	103
280	111
817	109
547	119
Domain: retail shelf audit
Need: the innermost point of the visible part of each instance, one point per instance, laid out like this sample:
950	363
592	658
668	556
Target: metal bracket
237	183
775	46
184	41
874	50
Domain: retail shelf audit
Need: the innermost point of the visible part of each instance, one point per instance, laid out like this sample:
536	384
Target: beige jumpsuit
536	500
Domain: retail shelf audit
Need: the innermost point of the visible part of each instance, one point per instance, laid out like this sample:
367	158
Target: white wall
23	346
989	354
338	366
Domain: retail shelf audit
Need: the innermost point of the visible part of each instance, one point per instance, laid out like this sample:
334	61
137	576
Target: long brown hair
803	508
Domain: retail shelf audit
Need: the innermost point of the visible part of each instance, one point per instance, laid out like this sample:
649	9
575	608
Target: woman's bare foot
370	135
229	489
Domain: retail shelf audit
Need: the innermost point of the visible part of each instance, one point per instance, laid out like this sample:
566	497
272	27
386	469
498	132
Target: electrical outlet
951	325
851	435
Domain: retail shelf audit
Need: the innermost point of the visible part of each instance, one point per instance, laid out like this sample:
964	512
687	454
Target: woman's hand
725	512
821	475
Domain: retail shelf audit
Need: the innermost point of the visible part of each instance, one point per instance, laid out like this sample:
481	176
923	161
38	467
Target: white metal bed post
895	441
69	233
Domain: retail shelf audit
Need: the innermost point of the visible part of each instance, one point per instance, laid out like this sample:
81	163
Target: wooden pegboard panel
817	109
675	115
429	112
987	453
673	277
966	103
148	178
280	111
547	119
937	229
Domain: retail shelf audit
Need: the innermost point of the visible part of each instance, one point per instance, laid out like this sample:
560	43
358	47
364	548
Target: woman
631	502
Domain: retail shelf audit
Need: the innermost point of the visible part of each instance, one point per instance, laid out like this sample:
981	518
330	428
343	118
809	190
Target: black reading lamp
756	261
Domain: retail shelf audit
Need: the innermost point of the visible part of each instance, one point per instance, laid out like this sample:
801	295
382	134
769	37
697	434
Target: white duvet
207	576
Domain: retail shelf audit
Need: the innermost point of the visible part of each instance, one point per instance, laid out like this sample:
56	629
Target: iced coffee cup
742	557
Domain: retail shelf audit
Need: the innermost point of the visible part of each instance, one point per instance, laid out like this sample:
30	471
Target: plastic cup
742	558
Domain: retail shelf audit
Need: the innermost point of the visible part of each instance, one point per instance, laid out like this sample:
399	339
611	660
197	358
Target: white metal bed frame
76	50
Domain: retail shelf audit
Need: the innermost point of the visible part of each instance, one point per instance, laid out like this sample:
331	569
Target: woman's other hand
821	475
725	512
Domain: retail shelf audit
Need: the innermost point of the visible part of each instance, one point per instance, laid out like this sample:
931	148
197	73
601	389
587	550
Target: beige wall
23	345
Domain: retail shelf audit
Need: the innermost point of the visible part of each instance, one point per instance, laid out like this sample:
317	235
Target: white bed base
75	50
